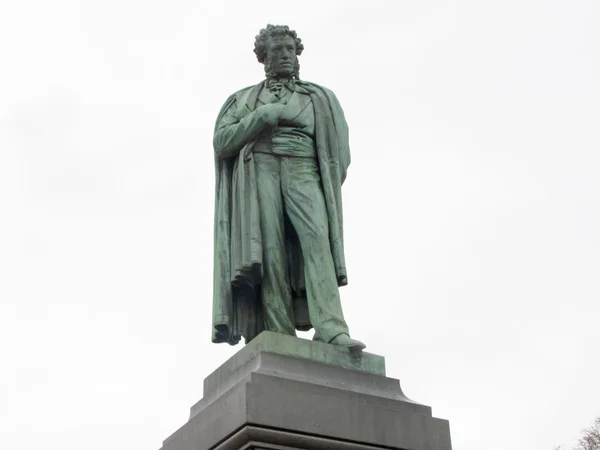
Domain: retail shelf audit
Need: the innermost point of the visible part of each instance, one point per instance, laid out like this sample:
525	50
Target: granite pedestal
280	392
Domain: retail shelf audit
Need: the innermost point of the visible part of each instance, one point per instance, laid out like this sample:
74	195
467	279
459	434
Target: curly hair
260	44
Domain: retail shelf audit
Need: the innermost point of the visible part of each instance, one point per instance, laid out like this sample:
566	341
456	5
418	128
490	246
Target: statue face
281	55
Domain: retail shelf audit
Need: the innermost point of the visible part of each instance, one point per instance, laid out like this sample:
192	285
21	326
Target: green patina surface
279	344
282	153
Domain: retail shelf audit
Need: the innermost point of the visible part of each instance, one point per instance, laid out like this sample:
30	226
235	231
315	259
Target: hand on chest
297	104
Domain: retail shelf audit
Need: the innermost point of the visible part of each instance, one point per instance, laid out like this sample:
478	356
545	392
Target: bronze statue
281	156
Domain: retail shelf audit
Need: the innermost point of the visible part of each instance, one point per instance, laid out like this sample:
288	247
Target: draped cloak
237	235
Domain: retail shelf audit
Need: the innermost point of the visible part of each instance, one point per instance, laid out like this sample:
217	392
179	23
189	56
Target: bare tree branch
590	437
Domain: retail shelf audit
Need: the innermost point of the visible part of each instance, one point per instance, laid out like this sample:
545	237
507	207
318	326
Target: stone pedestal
280	392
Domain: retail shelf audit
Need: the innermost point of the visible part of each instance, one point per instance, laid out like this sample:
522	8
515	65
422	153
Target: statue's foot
343	340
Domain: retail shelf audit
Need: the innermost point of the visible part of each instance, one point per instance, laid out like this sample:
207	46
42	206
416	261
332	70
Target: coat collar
246	99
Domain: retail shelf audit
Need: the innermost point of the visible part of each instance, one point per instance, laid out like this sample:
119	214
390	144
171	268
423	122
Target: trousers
291	186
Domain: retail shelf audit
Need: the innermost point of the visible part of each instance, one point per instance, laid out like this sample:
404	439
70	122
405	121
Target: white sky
471	208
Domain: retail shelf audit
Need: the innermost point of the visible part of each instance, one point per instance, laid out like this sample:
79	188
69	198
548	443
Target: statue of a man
281	153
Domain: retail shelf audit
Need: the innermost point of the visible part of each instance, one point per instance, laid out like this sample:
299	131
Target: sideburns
269	73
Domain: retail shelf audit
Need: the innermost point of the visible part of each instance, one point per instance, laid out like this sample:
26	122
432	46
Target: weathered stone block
281	392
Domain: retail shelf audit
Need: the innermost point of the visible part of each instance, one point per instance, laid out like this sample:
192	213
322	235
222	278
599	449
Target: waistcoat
295	133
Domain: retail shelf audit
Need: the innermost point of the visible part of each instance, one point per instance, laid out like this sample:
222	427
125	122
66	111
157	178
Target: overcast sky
472	208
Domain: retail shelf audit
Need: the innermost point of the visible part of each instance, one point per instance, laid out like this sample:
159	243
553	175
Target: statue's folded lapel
298	103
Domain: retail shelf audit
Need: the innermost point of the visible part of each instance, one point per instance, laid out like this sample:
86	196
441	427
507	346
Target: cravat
276	86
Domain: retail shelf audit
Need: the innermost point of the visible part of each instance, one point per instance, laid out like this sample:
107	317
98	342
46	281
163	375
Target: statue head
278	48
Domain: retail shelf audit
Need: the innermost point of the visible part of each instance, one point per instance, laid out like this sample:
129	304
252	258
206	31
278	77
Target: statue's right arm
231	133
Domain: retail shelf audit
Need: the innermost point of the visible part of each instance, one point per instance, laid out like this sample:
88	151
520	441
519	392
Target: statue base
281	392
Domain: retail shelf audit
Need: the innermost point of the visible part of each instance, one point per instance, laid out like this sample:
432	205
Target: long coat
237	235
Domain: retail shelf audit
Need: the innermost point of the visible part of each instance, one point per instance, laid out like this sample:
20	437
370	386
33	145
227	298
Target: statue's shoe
343	340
